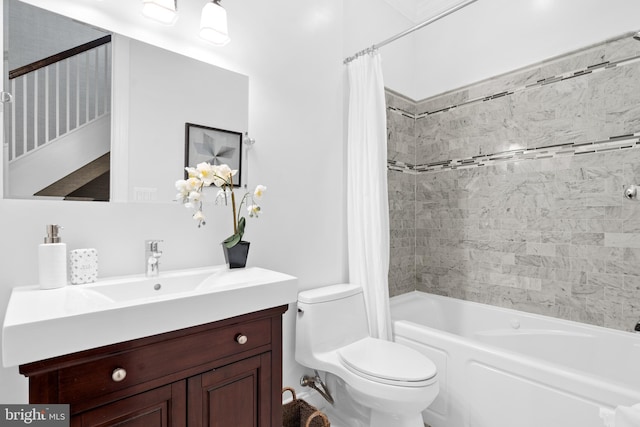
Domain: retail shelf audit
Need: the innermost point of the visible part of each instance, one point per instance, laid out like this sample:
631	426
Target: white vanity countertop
40	324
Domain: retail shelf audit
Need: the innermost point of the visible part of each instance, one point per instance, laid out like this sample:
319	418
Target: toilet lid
388	362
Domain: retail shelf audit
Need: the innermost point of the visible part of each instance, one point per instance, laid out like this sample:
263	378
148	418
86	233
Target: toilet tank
329	318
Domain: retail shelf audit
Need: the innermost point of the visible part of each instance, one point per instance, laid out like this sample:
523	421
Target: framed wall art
215	146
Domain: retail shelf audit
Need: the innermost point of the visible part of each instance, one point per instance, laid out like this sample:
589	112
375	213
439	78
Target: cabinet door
235	395
160	407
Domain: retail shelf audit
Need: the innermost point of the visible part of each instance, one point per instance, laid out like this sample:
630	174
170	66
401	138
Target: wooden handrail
58	57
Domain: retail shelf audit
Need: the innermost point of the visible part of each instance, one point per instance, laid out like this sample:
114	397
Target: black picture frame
215	146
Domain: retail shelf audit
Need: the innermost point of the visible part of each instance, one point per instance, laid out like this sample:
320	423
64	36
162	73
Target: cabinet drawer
98	377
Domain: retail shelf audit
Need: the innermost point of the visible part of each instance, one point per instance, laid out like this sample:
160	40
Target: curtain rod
409	31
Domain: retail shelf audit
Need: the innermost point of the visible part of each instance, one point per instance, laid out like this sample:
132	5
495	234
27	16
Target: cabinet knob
118	374
241	339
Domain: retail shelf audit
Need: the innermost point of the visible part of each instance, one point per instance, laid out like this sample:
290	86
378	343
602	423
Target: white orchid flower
181	186
223	174
218	181
226	172
195	196
185	187
206	173
259	191
254	210
199	216
191	172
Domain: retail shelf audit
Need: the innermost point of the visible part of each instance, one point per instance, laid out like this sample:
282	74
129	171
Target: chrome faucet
152	256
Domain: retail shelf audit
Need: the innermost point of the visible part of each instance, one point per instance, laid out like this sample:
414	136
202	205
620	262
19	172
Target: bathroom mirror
117	111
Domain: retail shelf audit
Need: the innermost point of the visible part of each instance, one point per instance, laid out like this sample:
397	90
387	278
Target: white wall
292	53
368	22
482	40
492	37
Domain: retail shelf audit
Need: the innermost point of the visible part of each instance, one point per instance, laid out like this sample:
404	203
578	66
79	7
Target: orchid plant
190	193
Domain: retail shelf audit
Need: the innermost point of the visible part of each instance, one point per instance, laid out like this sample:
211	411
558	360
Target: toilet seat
388	362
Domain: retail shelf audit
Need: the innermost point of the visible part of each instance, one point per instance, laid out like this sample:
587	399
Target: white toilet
392	383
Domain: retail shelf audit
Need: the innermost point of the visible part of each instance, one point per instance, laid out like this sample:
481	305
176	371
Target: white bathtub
505	368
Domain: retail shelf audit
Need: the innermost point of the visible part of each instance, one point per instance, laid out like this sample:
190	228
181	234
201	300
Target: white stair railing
55	99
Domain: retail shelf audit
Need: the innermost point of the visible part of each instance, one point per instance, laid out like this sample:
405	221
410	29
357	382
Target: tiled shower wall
510	191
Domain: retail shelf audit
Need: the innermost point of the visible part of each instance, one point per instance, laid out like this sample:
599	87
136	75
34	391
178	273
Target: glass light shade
164	11
213	24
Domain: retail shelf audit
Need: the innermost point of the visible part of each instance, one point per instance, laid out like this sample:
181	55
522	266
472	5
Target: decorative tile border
394	165
543	82
620	142
402	112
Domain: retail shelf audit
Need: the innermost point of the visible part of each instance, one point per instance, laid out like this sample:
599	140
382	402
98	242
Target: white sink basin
80	317
149	287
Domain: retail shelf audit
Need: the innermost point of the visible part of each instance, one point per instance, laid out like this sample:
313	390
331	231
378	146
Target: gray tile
552	236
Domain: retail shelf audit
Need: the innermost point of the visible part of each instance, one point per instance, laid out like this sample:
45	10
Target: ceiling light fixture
163	11
213	24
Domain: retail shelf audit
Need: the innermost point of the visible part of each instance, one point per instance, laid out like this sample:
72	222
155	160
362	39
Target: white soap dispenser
52	260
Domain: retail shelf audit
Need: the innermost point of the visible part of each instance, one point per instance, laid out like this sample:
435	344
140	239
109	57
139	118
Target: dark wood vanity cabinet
162	406
222	374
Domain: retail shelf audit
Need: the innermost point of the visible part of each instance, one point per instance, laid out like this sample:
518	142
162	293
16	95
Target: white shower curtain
367	201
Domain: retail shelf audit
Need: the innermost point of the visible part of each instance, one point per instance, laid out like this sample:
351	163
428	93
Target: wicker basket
299	413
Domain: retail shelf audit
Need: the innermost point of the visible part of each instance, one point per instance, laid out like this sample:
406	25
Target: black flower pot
236	256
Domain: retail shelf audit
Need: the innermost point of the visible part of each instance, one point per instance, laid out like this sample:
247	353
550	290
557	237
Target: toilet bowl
392	383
